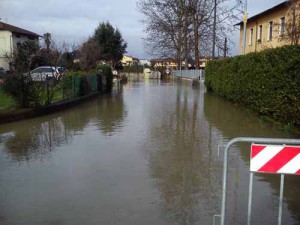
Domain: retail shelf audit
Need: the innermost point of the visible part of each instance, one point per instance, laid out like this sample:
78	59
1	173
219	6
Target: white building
145	62
10	38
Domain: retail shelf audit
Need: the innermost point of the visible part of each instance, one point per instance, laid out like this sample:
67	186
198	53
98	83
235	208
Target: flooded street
147	154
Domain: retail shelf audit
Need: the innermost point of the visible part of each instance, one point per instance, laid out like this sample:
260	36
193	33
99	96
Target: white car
43	73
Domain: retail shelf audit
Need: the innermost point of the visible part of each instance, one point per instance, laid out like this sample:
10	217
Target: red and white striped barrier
275	159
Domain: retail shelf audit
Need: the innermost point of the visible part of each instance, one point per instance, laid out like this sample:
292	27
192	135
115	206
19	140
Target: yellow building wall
264	20
126	60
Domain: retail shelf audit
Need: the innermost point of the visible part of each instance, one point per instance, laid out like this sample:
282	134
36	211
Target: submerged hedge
267	82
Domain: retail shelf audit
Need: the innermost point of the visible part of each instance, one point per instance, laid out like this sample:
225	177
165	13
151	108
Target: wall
142	76
8	44
5	43
21	39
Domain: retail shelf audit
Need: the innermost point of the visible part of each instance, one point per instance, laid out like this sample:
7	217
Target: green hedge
267	82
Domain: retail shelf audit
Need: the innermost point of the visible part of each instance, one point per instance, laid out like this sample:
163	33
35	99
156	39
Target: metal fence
190	74
82	85
273	141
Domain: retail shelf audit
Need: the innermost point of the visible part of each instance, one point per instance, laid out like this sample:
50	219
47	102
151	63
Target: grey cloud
76	20
257	6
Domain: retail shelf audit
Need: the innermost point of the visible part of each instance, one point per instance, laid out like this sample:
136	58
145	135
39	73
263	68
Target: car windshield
48	70
37	70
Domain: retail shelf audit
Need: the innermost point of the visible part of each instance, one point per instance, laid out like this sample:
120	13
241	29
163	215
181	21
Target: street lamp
245	28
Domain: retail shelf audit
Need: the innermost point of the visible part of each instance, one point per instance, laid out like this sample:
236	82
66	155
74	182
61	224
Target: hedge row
267	82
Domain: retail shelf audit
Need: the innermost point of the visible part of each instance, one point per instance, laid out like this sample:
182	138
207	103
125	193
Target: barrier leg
281	199
250	199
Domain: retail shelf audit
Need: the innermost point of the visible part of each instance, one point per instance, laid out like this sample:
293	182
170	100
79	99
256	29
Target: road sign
275	159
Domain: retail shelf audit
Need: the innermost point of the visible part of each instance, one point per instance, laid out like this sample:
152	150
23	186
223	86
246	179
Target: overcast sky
76	20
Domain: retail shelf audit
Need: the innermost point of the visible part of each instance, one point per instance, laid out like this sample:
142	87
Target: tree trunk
294	27
186	34
225	47
196	42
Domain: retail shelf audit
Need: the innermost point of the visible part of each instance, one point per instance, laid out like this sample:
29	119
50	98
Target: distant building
203	60
144	62
11	38
270	28
172	63
129	60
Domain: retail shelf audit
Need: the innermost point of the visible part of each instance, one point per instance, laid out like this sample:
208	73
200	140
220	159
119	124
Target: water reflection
235	121
36	141
181	157
35	138
110	114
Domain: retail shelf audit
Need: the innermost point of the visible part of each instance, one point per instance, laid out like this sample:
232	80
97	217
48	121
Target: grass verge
6	102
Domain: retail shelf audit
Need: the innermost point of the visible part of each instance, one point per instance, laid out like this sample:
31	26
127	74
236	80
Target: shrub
26	92
107	77
268	82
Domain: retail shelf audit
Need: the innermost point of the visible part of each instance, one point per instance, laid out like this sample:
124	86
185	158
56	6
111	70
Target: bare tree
48	39
182	27
292	23
89	54
165	26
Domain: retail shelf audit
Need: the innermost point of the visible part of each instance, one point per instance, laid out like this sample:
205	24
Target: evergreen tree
110	43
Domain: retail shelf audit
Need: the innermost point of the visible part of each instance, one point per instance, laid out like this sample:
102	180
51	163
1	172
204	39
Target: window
259	36
48	70
250	36
18	45
281	26
270	31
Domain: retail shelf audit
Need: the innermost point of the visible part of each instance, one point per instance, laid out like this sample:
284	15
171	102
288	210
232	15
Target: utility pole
214	29
245	28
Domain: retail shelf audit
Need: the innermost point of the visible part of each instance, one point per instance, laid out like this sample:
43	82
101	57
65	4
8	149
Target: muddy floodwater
146	154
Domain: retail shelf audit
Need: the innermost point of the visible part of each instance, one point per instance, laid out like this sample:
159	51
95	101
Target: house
11	38
274	27
204	59
129	60
168	62
144	62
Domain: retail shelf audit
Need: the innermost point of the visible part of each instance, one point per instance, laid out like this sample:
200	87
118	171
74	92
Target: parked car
43	73
62	71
